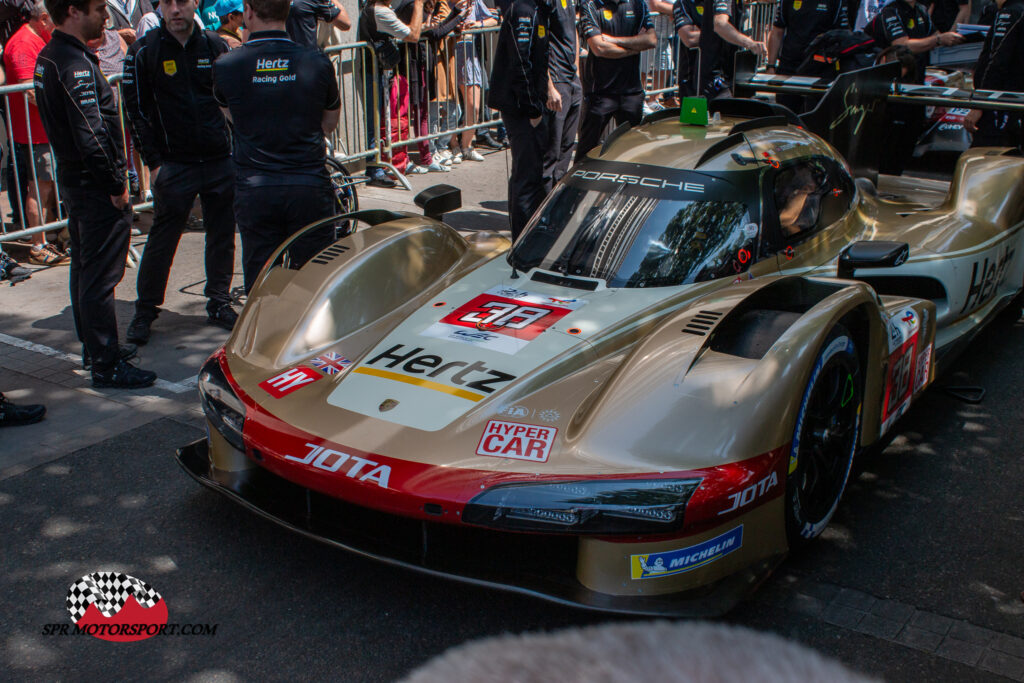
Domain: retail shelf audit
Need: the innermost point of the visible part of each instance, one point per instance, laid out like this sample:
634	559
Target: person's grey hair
38	9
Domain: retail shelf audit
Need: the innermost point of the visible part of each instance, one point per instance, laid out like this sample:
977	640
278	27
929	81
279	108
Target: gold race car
645	403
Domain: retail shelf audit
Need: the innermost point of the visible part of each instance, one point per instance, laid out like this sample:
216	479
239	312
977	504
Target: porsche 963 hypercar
644	403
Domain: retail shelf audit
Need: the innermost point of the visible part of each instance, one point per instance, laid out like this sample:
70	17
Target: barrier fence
433	99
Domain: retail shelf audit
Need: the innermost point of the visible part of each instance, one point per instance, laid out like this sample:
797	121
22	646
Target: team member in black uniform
305	14
616	31
283	99
565	93
80	116
183	138
946	14
721	33
687	16
1000	68
519	89
796	24
905	22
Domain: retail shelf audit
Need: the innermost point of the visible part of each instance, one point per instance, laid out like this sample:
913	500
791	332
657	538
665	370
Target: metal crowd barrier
423	101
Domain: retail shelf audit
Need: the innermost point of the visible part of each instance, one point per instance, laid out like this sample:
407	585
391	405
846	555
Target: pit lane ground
918	577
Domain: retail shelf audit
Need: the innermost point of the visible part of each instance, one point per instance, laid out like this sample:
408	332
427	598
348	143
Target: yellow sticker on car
170	67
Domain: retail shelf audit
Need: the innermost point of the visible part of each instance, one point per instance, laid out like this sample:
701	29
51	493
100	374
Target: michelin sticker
502	319
657	565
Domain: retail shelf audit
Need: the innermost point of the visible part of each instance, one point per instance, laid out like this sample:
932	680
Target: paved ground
918	577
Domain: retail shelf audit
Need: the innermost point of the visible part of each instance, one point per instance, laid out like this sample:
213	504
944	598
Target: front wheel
824	439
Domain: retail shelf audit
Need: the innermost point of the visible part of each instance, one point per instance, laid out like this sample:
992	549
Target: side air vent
702	323
330	253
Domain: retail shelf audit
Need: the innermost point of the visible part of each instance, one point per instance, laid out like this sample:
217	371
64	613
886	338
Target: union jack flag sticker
331	363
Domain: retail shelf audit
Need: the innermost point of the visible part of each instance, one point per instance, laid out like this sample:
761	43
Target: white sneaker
457	158
473	155
443	157
413	169
437	167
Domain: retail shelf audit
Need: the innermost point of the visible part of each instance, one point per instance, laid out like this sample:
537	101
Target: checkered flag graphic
108	591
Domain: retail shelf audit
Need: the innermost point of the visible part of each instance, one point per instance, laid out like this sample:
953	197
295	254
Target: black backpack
838	51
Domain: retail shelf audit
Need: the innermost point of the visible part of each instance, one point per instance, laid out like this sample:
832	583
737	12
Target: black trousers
998	129
100	237
598	110
562	127
268	215
174	193
526	178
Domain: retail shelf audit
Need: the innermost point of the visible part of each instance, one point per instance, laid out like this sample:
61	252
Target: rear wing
851	113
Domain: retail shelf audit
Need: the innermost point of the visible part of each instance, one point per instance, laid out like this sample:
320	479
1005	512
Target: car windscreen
641	226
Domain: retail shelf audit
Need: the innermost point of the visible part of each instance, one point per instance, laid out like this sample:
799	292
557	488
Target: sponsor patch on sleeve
289	381
502	319
516	440
657	565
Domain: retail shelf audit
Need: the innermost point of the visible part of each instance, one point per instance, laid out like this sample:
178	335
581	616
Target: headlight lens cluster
223	408
646	506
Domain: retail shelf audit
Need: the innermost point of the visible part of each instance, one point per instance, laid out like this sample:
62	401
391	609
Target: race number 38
495	313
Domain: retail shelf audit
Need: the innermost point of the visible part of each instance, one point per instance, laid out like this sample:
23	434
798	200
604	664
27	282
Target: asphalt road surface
918	577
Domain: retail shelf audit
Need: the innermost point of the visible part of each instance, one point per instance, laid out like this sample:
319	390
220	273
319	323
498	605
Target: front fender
688	405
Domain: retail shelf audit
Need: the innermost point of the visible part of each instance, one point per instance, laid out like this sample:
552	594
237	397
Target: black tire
345	198
824	439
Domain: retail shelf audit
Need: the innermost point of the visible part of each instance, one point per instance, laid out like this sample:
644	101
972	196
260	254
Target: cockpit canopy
635	225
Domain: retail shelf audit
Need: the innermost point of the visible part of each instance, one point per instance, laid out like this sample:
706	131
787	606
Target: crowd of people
201	125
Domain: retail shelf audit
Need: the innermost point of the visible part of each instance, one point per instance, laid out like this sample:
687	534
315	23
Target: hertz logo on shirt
278	64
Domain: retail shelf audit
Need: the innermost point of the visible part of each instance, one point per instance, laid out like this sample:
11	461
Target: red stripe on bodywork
412	485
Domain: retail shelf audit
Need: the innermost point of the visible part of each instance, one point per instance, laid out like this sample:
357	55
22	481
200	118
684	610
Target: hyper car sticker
516	440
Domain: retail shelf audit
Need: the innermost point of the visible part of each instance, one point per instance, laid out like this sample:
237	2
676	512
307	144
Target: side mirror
868	254
438	200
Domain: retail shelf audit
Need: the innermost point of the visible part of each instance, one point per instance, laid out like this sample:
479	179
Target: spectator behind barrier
230	14
125	16
471	79
33	157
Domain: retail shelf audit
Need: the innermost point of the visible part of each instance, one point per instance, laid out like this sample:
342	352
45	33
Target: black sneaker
138	331
485	139
379	178
125	352
123	376
223	316
12	415
12	270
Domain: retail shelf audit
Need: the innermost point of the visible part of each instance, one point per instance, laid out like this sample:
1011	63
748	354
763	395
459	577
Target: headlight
594	506
223	408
